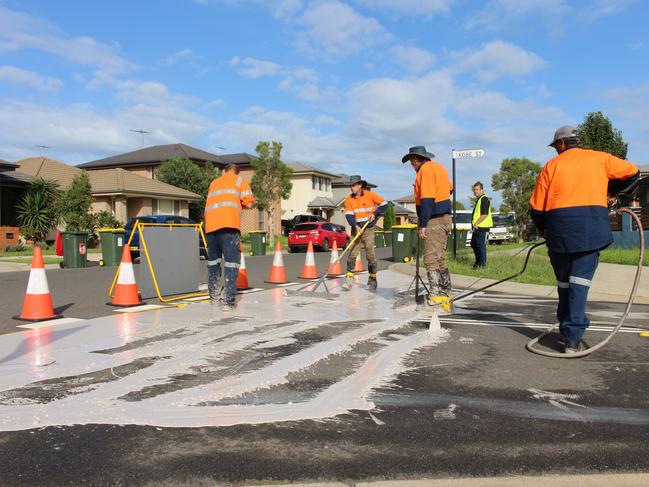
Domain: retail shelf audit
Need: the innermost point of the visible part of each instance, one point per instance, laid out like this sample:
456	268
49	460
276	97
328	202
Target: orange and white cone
37	305
309	270
335	267
126	292
277	271
242	277
359	264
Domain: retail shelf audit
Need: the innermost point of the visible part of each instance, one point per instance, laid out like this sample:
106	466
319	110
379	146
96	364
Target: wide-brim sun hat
563	132
417	150
355	179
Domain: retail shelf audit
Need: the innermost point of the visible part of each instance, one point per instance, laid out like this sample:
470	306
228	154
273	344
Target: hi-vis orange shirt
432	192
569	202
225	198
358	209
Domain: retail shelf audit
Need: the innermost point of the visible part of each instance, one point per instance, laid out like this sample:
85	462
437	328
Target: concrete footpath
612	284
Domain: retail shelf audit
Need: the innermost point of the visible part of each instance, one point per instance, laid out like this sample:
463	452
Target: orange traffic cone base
37	305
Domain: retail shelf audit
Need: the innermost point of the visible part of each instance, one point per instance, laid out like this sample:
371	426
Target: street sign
468	153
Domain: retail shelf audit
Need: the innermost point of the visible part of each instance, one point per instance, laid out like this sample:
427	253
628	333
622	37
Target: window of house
313	182
176	207
163	207
260	219
320	183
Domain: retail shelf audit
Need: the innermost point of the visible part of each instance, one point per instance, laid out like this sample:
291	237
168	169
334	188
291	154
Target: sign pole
454	213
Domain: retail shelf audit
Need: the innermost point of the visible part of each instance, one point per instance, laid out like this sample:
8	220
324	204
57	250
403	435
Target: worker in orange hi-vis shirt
361	206
433	191
569	206
226	197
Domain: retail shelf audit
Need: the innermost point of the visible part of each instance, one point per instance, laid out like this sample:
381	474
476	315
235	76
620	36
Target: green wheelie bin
387	237
461	240
404	240
112	244
379	239
257	242
75	249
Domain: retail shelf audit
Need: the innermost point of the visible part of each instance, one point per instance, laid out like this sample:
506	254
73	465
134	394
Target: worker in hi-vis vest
226	197
432	191
481	223
569	206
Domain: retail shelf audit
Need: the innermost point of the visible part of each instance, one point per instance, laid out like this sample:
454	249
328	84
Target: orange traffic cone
359	264
335	267
126	293
37	305
277	271
242	277
309	271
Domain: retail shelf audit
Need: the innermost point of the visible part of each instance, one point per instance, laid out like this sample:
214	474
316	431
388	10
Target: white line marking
42	324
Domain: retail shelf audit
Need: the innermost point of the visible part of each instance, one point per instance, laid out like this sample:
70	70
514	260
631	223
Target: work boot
214	284
371	283
225	307
574	347
445	283
349	282
433	286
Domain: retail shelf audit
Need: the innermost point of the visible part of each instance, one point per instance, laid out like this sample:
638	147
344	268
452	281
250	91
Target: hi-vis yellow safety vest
487	222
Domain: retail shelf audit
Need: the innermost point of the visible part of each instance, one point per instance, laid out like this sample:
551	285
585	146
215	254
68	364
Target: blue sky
344	85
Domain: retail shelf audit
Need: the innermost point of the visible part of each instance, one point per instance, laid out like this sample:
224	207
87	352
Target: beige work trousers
437	231
369	244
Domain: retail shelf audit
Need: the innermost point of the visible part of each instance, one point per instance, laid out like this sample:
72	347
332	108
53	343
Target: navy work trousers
574	273
223	251
479	246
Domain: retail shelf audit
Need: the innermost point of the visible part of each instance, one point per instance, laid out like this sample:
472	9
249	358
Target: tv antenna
44	147
141	132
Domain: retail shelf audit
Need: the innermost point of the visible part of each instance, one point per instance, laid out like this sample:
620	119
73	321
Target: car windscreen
131	221
305	226
463	218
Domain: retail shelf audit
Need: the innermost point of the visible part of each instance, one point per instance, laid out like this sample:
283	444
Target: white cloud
178	56
629	106
502	14
412	58
23	77
255	68
605	8
19	30
78	133
410	7
497	59
335	30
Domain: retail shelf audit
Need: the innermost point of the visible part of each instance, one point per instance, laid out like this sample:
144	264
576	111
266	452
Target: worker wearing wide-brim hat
432	191
361	206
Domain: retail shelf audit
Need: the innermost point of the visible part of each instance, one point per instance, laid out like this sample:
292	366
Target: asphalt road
476	405
83	293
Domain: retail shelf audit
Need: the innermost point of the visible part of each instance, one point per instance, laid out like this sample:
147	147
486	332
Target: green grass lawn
539	271
28	260
45	252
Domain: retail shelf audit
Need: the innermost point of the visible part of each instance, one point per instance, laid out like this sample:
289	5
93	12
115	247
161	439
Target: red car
321	234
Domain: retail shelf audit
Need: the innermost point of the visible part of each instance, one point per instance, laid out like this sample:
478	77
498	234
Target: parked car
321	234
135	243
288	225
502	231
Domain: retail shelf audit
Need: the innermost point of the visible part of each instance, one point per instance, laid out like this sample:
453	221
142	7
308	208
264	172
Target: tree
186	174
516	180
459	205
37	209
597	132
271	181
74	204
388	217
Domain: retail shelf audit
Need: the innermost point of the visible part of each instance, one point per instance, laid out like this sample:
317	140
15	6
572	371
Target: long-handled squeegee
311	293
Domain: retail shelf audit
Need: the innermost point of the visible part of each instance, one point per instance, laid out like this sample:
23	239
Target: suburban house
144	162
13	184
403	216
123	193
643	192
311	193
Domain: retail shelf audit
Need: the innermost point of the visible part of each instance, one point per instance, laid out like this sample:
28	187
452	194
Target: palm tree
37	209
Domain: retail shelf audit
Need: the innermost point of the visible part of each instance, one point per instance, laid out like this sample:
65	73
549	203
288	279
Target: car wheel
291	250
325	245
